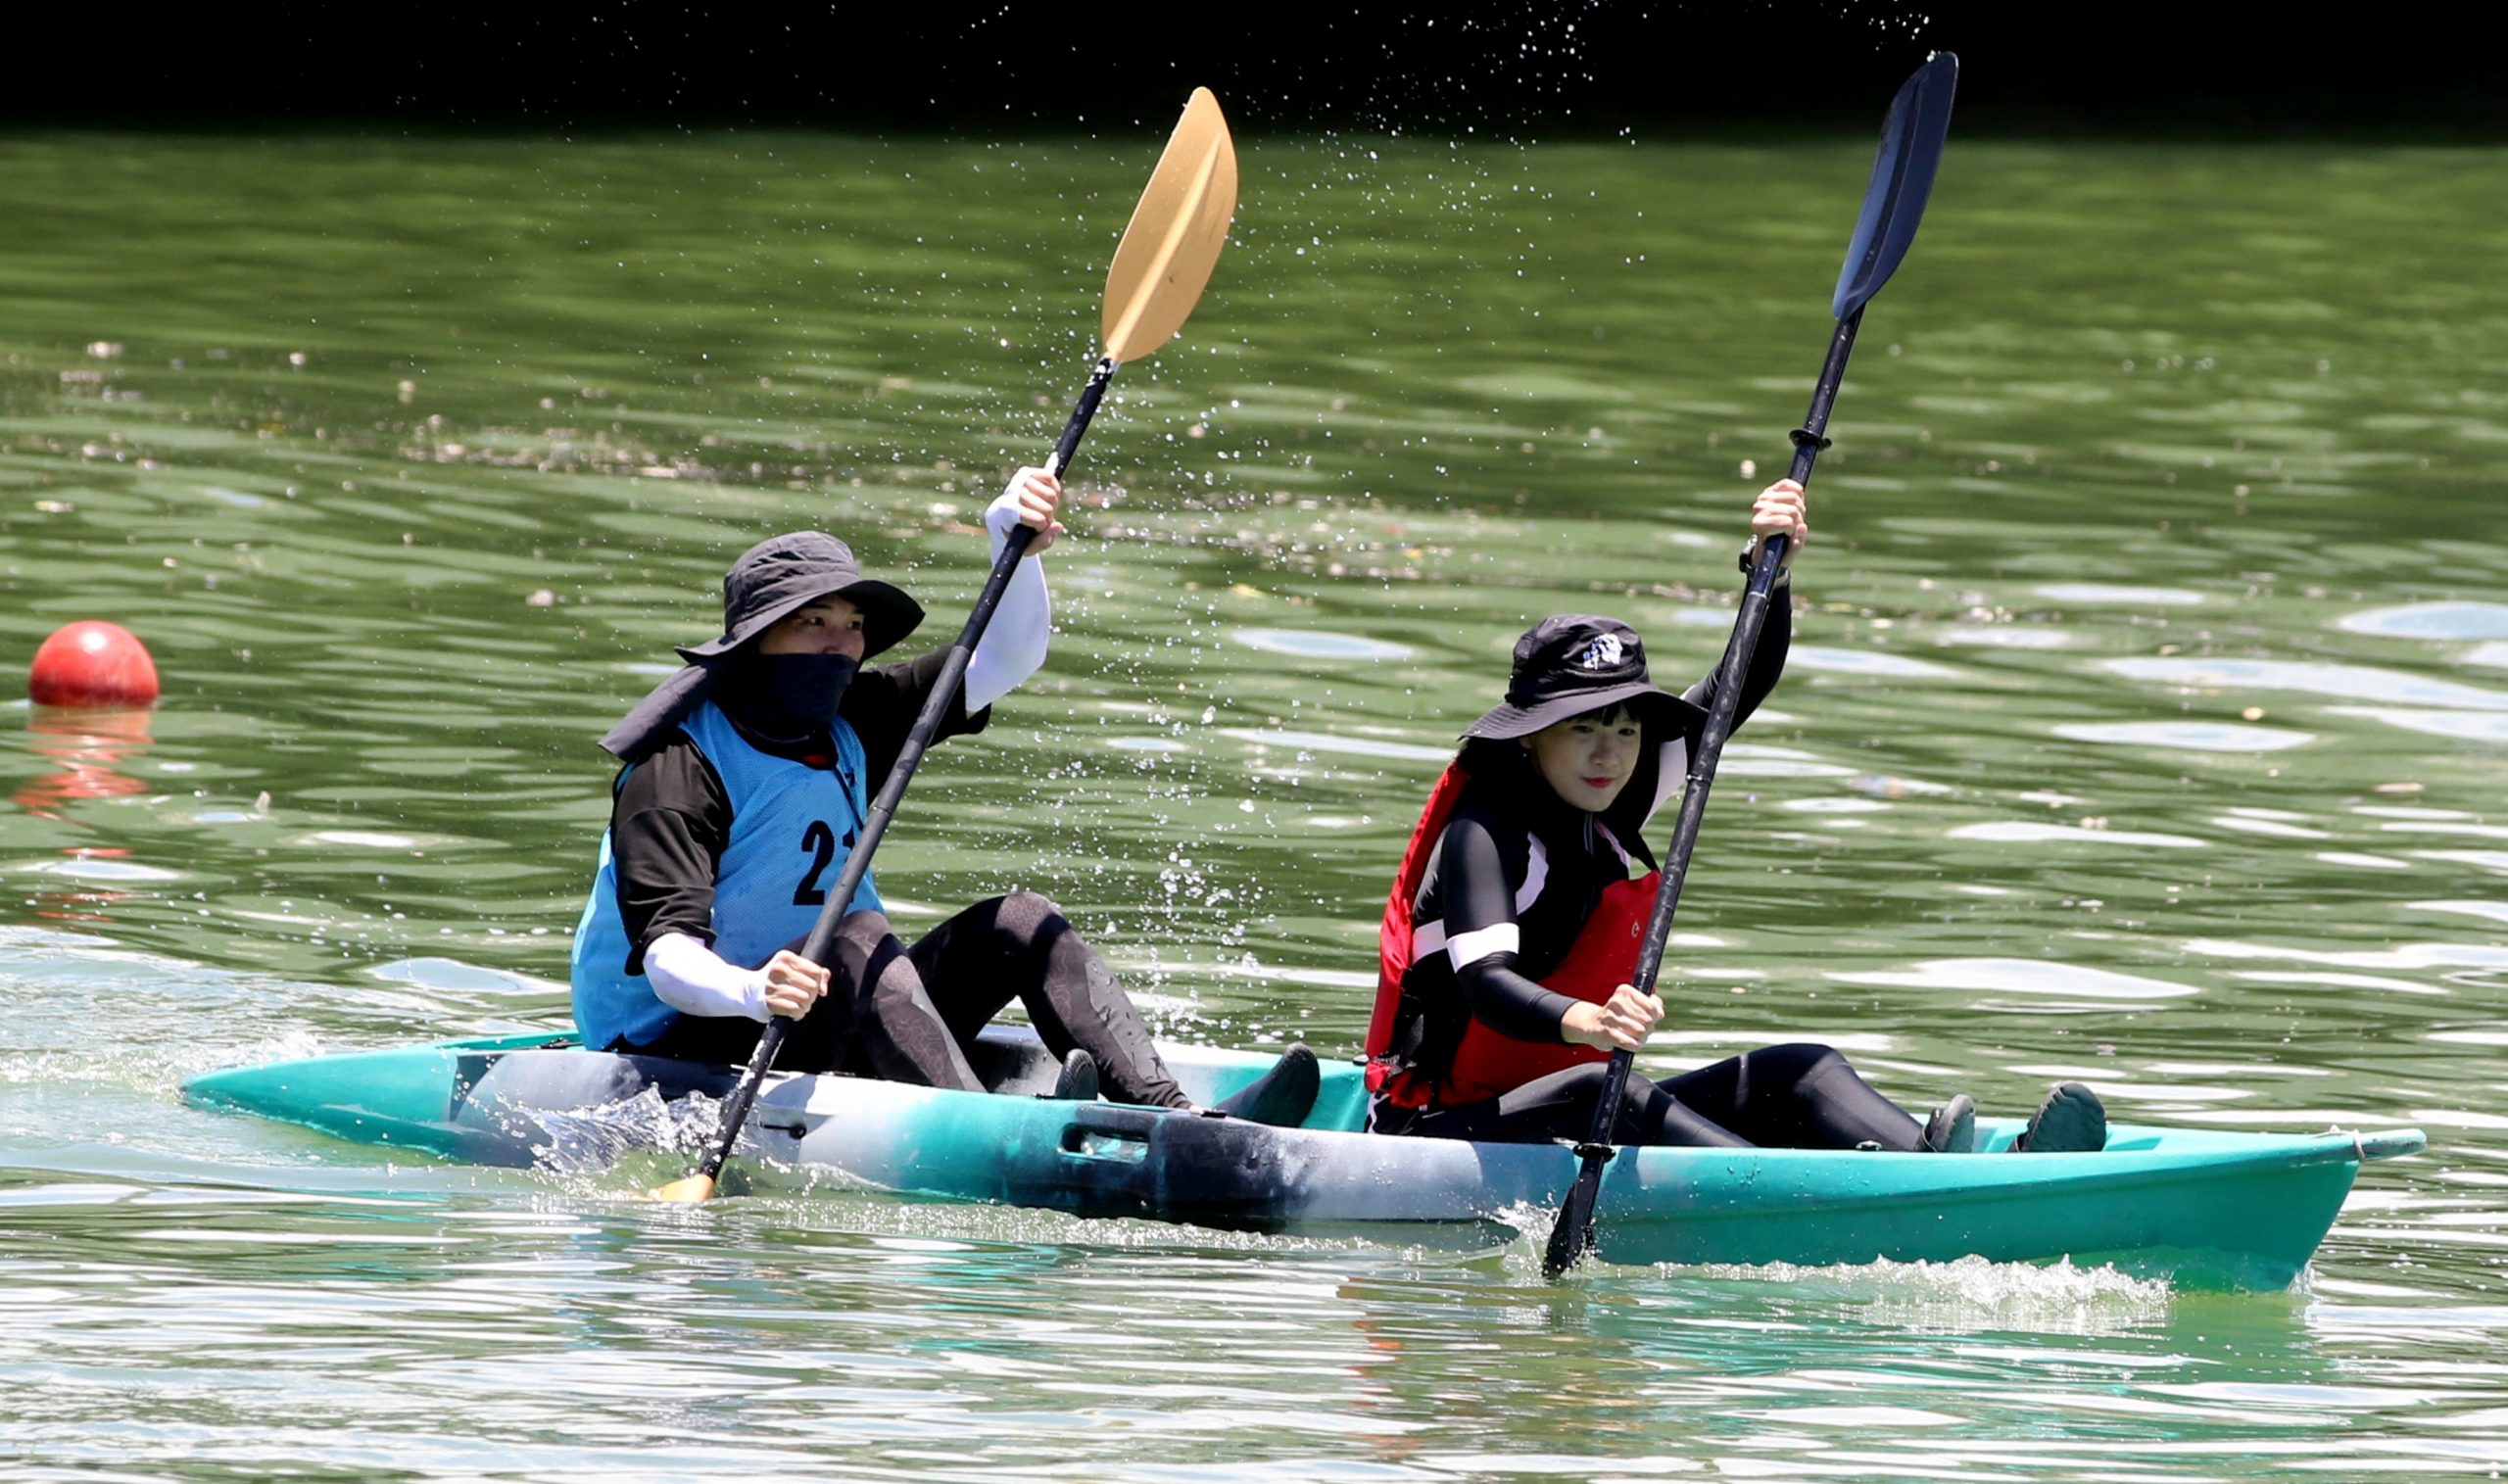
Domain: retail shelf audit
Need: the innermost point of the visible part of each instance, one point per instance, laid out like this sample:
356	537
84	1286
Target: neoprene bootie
1077	1082
2071	1121
1952	1129
1281	1098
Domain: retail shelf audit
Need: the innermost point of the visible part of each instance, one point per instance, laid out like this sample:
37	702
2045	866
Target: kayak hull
2203	1207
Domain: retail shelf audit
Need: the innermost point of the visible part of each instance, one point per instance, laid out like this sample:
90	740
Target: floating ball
93	664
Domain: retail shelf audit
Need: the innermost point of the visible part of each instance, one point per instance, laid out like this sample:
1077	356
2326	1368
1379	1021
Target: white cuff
694	980
1468	949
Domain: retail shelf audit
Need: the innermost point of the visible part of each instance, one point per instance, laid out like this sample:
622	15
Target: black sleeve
1479	891
667	828
884	701
1768	662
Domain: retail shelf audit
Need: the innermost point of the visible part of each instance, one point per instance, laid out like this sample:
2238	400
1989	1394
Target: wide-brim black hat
770	581
1573	663
786	573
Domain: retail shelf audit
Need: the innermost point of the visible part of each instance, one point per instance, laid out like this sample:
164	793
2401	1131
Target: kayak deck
2206	1208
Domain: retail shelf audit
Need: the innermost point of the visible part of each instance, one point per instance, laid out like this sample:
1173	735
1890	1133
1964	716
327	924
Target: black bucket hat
1573	663
785	573
771	580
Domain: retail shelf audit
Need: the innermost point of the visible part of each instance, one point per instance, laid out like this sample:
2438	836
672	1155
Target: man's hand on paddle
793	984
1033	495
1779	511
1619	1023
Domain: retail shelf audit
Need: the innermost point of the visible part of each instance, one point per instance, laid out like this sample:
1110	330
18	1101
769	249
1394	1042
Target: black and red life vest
1401	1066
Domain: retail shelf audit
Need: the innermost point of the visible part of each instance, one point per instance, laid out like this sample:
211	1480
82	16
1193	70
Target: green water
2143	727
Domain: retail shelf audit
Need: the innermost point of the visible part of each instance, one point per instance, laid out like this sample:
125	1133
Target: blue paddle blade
1902	177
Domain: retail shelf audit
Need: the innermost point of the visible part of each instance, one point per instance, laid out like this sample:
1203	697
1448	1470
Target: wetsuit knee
1794	1062
1029	917
867	926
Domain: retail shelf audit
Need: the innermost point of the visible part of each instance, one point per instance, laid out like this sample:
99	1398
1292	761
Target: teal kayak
2203	1207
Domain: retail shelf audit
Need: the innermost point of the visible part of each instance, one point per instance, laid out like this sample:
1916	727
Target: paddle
1162	263
1902	176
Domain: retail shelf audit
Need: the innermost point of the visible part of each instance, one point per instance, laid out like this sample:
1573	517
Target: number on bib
820	842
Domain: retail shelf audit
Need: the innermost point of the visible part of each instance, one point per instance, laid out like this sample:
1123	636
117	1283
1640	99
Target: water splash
1969	1295
595	1140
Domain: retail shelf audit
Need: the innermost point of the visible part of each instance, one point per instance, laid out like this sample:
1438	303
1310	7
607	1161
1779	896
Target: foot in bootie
2070	1120
1952	1129
1078	1080
1282	1096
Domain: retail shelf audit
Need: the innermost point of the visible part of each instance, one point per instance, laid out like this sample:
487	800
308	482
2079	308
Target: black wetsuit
905	1014
1488	885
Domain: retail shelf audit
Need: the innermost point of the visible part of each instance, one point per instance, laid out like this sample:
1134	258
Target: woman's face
1588	759
829	625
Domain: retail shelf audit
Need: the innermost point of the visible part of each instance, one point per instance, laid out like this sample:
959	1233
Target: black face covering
785	697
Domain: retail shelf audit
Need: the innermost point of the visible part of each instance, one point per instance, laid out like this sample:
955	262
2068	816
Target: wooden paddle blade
1175	236
695	1190
1911	139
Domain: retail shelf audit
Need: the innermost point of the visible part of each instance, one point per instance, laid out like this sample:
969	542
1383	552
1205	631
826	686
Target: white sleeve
693	979
1013	647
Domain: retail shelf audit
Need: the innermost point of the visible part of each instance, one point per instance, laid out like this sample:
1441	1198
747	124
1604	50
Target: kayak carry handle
2387	1143
1109	1133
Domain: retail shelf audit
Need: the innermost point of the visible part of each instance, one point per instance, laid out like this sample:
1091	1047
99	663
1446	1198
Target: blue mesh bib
792	827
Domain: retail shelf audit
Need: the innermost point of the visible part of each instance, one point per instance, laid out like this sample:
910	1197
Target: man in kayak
1513	925
747	781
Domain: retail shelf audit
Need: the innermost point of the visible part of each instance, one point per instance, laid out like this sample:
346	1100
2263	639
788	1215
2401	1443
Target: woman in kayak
747	781
1513	925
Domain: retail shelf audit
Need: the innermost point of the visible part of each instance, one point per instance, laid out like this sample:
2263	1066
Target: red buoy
93	664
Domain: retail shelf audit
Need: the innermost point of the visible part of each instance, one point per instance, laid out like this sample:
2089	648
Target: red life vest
1486	1063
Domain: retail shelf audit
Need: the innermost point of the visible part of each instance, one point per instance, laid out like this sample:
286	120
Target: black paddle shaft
1911	139
1809	441
1573	1232
936	705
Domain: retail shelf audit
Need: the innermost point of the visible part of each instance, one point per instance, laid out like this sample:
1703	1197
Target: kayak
2201	1208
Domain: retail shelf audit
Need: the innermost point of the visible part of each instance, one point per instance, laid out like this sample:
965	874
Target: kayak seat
1012	1060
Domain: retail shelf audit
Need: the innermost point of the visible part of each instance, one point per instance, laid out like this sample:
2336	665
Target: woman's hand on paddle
1031	499
1619	1023
1780	511
793	984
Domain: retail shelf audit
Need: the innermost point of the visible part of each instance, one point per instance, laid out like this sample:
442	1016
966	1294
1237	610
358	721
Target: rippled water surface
2146	726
